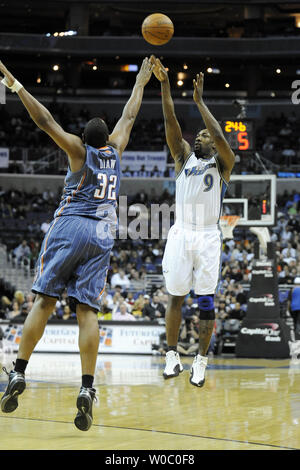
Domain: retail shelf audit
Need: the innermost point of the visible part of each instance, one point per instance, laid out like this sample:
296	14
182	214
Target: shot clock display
239	133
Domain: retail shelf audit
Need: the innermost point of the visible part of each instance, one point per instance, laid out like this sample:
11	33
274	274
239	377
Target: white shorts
192	260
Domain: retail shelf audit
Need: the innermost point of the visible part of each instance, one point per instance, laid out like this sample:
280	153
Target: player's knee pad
207	307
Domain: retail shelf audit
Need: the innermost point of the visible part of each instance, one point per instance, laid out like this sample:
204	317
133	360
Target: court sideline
246	404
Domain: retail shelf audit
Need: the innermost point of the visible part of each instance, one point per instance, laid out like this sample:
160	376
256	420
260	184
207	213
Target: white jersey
200	188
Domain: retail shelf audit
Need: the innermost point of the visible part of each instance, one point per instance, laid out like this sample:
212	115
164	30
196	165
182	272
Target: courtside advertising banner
114	338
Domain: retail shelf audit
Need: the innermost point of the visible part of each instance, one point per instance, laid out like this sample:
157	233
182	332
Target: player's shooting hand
9	77
145	72
198	87
159	70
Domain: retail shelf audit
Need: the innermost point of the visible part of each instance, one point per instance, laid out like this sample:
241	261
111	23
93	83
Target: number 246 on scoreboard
239	133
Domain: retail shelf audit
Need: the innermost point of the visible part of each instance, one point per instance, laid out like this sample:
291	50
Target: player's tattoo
205	331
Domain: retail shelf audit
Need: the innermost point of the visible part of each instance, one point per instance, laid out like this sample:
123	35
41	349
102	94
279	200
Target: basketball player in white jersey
192	257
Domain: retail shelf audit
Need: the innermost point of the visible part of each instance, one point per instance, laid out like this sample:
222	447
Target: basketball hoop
227	224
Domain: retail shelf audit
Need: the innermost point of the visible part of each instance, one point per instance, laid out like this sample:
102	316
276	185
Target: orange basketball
157	29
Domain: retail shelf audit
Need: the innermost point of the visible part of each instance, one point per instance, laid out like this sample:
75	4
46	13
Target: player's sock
20	365
87	381
172	348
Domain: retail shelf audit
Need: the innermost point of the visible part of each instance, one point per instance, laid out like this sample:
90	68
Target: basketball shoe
16	386
84	417
197	376
173	365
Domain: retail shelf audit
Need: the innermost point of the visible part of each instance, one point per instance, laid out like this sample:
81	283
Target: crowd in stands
25	218
276	139
19	130
126	297
279	141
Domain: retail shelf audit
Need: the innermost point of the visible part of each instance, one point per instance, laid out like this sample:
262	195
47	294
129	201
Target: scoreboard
239	134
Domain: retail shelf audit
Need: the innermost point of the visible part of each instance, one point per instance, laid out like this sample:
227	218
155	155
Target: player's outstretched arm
120	136
70	143
226	155
179	147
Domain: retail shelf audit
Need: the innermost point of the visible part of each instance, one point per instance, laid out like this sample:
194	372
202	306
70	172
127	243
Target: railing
53	161
34	161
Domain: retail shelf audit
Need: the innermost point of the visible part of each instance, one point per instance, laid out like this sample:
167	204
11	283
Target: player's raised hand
5	73
159	70
145	72
198	87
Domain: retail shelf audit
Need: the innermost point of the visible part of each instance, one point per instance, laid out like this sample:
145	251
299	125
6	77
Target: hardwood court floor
246	404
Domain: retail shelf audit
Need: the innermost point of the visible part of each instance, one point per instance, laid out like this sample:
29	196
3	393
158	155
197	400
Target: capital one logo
296	93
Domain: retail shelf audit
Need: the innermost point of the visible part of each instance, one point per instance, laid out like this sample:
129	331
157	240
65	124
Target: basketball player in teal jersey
192	254
76	250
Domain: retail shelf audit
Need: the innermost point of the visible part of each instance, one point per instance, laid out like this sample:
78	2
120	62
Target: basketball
157	29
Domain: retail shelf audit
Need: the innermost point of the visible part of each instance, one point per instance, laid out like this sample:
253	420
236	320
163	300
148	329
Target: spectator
147	310
22	252
67	314
5	307
237	313
127	173
107	301
116	301
120	279
122	314
14	312
155	172
60	305
23	312
241	296
289	251
189	336
221	308
136	280
27	305
137	308
142	172
294	306
129	299
34	227
189	308
153	309
284	277
19	297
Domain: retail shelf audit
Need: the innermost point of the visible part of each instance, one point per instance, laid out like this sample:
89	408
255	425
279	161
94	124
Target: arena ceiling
114	18
125	17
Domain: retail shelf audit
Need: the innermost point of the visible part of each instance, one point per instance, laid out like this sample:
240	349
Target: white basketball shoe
173	365
197	371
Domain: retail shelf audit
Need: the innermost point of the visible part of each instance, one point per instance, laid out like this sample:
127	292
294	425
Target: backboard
253	199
